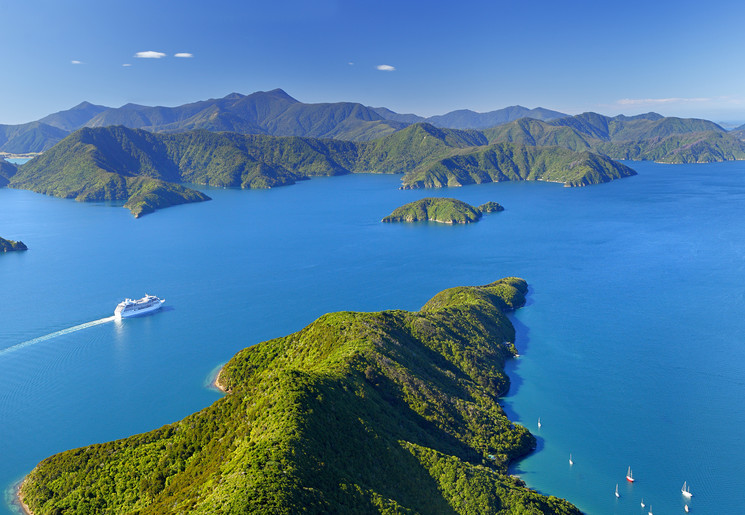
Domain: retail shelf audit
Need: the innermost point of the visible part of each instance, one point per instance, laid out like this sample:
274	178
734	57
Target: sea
632	342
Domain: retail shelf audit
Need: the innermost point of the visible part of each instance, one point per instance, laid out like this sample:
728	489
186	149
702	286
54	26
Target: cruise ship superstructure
132	308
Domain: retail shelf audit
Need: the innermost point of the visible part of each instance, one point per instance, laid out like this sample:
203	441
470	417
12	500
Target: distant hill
392	115
74	118
117	163
466	119
644	137
29	137
385	412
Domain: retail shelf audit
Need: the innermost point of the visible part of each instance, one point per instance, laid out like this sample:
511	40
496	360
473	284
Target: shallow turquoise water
631	345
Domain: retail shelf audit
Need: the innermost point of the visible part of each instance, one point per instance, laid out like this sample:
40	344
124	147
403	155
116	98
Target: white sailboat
643	505
686	490
571	462
539	422
650	509
687	509
617	494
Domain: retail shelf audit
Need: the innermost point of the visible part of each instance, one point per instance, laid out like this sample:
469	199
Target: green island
10	245
383	412
143	169
442	210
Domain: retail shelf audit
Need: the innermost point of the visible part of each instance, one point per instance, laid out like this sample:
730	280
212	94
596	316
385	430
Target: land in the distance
143	169
390	412
270	139
441	210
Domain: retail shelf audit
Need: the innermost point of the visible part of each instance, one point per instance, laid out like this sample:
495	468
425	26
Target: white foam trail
57	333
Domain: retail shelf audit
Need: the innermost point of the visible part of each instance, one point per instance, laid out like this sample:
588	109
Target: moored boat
629	476
686	490
132	308
617	494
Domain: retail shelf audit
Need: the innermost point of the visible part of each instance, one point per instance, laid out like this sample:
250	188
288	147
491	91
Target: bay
631	342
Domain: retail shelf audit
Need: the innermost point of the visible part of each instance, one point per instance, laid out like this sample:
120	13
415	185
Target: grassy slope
444	210
387	412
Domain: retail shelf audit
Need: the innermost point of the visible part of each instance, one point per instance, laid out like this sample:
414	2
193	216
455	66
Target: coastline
216	383
19	501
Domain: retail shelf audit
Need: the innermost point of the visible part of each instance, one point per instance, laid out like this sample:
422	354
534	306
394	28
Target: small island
10	245
441	210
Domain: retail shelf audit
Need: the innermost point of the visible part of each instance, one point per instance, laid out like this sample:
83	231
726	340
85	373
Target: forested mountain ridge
644	137
140	167
385	412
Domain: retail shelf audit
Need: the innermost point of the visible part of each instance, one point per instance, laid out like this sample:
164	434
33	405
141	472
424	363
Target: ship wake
56	334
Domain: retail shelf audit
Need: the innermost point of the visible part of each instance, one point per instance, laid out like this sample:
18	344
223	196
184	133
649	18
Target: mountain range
265	112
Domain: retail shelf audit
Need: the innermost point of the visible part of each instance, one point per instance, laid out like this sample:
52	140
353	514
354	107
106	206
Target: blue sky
678	58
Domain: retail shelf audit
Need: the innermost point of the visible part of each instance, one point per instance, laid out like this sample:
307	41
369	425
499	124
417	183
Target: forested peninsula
385	412
442	210
143	169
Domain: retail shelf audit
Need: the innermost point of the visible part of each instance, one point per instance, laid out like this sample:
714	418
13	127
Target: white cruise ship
133	308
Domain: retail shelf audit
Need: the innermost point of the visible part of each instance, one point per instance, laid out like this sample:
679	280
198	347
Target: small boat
686	508
650	510
617	494
539	422
643	505
686	490
570	459
629	477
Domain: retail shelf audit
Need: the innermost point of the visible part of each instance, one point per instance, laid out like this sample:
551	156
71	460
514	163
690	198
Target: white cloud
658	101
183	54
350	63
76	62
126	65
149	54
386	68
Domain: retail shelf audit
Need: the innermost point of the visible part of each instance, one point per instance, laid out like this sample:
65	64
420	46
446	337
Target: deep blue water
632	343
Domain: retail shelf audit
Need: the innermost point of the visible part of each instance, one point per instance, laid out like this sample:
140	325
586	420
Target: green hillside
510	162
141	168
386	412
643	137
435	209
110	164
29	137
